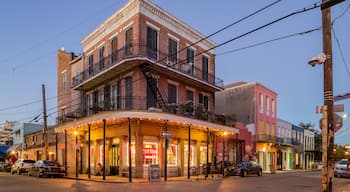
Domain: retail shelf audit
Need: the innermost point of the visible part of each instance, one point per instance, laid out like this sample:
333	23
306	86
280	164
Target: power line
341	15
341	52
227	26
261	27
269	41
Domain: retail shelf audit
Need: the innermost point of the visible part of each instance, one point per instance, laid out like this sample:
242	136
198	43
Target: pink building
254	105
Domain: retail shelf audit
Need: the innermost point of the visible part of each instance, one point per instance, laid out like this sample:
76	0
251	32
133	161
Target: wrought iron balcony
140	104
141	51
283	140
265	138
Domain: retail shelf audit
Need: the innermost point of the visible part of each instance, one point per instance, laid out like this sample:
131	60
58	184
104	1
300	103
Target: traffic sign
336	108
338	122
165	133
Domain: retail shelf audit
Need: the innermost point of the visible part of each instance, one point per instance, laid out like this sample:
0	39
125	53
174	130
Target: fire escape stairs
152	85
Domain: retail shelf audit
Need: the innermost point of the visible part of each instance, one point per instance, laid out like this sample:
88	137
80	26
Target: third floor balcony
121	60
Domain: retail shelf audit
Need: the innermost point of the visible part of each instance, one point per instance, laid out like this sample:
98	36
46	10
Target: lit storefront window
132	153
150	153
172	155
191	155
203	155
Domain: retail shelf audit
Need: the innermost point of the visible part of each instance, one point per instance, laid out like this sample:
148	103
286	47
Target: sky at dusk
33	31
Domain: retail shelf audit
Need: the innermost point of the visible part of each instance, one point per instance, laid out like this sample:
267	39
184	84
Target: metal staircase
152	85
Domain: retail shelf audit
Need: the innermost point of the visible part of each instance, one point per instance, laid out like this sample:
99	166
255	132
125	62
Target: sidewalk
120	179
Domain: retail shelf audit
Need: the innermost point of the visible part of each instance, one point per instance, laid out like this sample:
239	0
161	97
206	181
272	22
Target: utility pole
45	124
328	123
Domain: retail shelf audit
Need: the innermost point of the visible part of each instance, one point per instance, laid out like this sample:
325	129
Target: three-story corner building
254	105
298	144
284	145
143	84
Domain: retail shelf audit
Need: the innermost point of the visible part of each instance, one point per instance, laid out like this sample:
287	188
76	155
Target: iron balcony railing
141	50
283	140
187	109
265	138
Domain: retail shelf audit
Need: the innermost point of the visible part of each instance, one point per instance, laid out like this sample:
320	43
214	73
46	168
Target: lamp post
76	153
223	153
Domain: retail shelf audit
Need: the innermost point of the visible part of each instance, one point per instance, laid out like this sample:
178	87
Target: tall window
261	104
95	98
172	93
204	101
116	95
172	48
91	64
152	42
128	93
189	108
205	68
267	105
128	42
190	61
273	107
114	50
64	81
101	62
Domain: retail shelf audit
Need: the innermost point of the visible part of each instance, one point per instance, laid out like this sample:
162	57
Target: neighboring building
254	105
133	79
19	130
69	100
298	143
6	138
34	144
284	145
309	148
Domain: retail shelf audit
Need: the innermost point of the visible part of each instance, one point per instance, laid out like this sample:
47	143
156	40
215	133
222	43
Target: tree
308	125
339	152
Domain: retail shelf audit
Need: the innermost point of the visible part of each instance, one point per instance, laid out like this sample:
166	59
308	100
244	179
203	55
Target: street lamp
76	153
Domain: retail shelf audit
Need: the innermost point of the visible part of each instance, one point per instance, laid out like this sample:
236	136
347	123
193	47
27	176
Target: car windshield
51	163
342	162
28	161
243	164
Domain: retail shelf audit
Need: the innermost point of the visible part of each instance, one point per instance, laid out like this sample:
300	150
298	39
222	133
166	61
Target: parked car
342	168
22	166
46	168
244	168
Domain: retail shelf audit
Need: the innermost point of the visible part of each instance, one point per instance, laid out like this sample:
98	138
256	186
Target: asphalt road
286	182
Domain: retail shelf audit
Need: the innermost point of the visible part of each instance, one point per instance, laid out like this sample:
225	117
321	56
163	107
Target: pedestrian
99	169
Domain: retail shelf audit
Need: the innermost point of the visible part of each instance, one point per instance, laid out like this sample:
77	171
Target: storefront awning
145	115
15	147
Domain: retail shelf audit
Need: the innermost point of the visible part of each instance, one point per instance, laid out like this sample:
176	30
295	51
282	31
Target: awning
142	114
15	147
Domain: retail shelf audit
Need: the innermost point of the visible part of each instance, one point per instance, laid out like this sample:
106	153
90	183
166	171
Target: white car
342	168
22	166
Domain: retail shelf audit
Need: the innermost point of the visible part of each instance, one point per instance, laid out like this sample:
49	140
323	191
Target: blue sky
33	31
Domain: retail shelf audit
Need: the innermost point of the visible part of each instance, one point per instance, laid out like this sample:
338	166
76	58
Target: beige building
142	90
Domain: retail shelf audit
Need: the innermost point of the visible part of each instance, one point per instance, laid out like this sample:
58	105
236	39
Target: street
286	182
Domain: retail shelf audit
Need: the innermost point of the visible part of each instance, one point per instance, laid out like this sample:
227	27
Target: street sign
336	108
165	133
342	96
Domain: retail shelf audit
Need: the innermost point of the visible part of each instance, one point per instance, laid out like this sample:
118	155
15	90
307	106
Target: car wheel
260	172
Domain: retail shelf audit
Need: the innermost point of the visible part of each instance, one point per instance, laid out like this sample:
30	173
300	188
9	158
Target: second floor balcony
265	138
138	103
132	55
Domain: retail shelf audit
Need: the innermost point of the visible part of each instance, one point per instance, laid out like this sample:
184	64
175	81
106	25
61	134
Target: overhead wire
269	41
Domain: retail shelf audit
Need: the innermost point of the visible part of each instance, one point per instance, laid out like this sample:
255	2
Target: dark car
46	168
244	168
